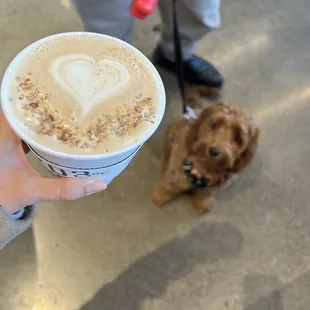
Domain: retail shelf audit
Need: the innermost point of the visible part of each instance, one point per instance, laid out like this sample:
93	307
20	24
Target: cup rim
5	102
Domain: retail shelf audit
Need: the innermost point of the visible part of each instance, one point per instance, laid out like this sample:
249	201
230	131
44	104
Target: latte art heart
88	81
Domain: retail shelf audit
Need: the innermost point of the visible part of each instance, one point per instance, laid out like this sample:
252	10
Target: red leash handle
143	8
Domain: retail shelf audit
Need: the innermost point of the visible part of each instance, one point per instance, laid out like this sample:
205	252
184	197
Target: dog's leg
202	200
164	192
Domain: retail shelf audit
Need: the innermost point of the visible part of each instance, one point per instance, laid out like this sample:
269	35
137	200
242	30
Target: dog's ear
247	155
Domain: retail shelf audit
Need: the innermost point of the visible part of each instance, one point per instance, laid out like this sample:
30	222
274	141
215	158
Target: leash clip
196	182
189	113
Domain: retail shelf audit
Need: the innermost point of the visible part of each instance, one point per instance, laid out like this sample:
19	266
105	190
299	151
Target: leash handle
143	8
178	54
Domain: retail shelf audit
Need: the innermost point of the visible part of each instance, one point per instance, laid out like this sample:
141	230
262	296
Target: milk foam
88	81
85	95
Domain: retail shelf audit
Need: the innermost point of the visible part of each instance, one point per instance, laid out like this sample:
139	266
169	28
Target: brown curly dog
200	156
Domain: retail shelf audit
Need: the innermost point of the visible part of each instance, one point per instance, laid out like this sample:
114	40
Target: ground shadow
149	276
265	292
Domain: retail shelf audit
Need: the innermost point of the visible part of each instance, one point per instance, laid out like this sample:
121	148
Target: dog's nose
214	151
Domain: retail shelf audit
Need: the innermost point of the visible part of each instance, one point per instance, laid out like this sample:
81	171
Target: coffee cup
107	165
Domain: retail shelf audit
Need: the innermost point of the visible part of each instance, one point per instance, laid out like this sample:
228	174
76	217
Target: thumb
61	189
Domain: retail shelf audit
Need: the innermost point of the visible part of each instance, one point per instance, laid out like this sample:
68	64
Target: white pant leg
195	18
111	17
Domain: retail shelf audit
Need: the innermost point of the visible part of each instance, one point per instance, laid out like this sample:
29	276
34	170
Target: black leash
178	54
187	111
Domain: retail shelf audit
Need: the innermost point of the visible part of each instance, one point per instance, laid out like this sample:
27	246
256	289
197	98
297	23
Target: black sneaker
197	71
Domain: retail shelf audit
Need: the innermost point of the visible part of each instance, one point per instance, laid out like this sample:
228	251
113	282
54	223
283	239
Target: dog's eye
214	126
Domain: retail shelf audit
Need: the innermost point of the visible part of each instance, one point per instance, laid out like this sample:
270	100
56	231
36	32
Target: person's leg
195	18
111	17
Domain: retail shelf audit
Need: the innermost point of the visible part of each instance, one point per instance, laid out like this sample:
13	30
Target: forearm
11	227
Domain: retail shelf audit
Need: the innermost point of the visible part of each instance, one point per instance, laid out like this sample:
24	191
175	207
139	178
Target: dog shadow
149	277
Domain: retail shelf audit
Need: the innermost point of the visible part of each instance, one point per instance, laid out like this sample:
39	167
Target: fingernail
93	187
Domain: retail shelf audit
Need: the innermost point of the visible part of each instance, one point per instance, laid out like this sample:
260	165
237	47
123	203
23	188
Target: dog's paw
158	197
203	207
164	193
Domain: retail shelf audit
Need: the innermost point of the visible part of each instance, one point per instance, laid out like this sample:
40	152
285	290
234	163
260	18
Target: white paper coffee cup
104	166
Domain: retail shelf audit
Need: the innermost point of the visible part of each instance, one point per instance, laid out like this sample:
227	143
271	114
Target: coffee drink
84	94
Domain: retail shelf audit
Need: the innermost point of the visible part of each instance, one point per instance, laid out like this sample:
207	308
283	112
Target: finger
7	133
61	189
5	128
39	189
8	138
